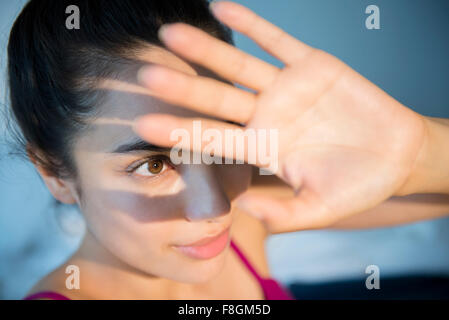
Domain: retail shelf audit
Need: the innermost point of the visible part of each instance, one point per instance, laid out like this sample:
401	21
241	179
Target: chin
201	271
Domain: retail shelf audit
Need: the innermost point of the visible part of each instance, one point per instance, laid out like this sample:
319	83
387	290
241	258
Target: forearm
397	211
431	170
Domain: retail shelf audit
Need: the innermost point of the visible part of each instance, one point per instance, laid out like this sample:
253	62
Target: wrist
430	173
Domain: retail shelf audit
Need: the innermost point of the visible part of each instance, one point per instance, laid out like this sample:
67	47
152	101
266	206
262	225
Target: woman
155	230
69	91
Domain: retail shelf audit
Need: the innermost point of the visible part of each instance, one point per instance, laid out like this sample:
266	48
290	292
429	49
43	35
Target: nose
206	198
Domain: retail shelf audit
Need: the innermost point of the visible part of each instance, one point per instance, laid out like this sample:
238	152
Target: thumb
288	214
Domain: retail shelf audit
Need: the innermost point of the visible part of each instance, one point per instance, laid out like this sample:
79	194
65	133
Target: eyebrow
235	123
138	145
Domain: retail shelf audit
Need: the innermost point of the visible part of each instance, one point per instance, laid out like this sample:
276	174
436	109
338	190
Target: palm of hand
344	144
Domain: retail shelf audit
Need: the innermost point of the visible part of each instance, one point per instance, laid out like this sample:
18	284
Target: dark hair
53	70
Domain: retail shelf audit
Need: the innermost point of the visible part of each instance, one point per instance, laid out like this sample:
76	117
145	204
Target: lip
207	247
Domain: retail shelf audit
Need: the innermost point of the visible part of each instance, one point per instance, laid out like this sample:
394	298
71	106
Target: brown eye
152	167
155	166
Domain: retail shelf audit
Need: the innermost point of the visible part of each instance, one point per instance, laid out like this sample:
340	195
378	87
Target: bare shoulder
54	282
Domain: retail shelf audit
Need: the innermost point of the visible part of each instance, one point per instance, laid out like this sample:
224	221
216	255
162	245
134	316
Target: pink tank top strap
272	289
46	295
245	260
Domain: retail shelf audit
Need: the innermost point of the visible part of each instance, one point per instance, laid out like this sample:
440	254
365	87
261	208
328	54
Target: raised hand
344	144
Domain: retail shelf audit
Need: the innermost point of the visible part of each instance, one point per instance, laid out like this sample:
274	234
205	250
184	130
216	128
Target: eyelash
166	162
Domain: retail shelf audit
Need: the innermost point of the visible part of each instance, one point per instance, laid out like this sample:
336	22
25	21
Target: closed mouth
205	240
206	248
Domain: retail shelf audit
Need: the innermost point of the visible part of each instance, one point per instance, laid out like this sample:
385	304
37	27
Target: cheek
143	208
235	179
128	224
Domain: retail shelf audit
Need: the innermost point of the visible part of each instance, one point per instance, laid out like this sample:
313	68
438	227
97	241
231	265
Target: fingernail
172	35
213	7
137	123
154	125
142	74
248	206
228	10
153	76
145	123
212	4
163	30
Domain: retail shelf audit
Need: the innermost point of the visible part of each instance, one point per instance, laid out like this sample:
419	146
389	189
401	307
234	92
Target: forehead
125	99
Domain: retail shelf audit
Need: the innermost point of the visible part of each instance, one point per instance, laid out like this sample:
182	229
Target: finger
216	55
279	215
207	136
268	36
202	94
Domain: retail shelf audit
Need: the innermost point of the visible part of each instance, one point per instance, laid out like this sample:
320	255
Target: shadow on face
138	204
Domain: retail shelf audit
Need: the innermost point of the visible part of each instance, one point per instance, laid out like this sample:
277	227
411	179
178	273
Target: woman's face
136	203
